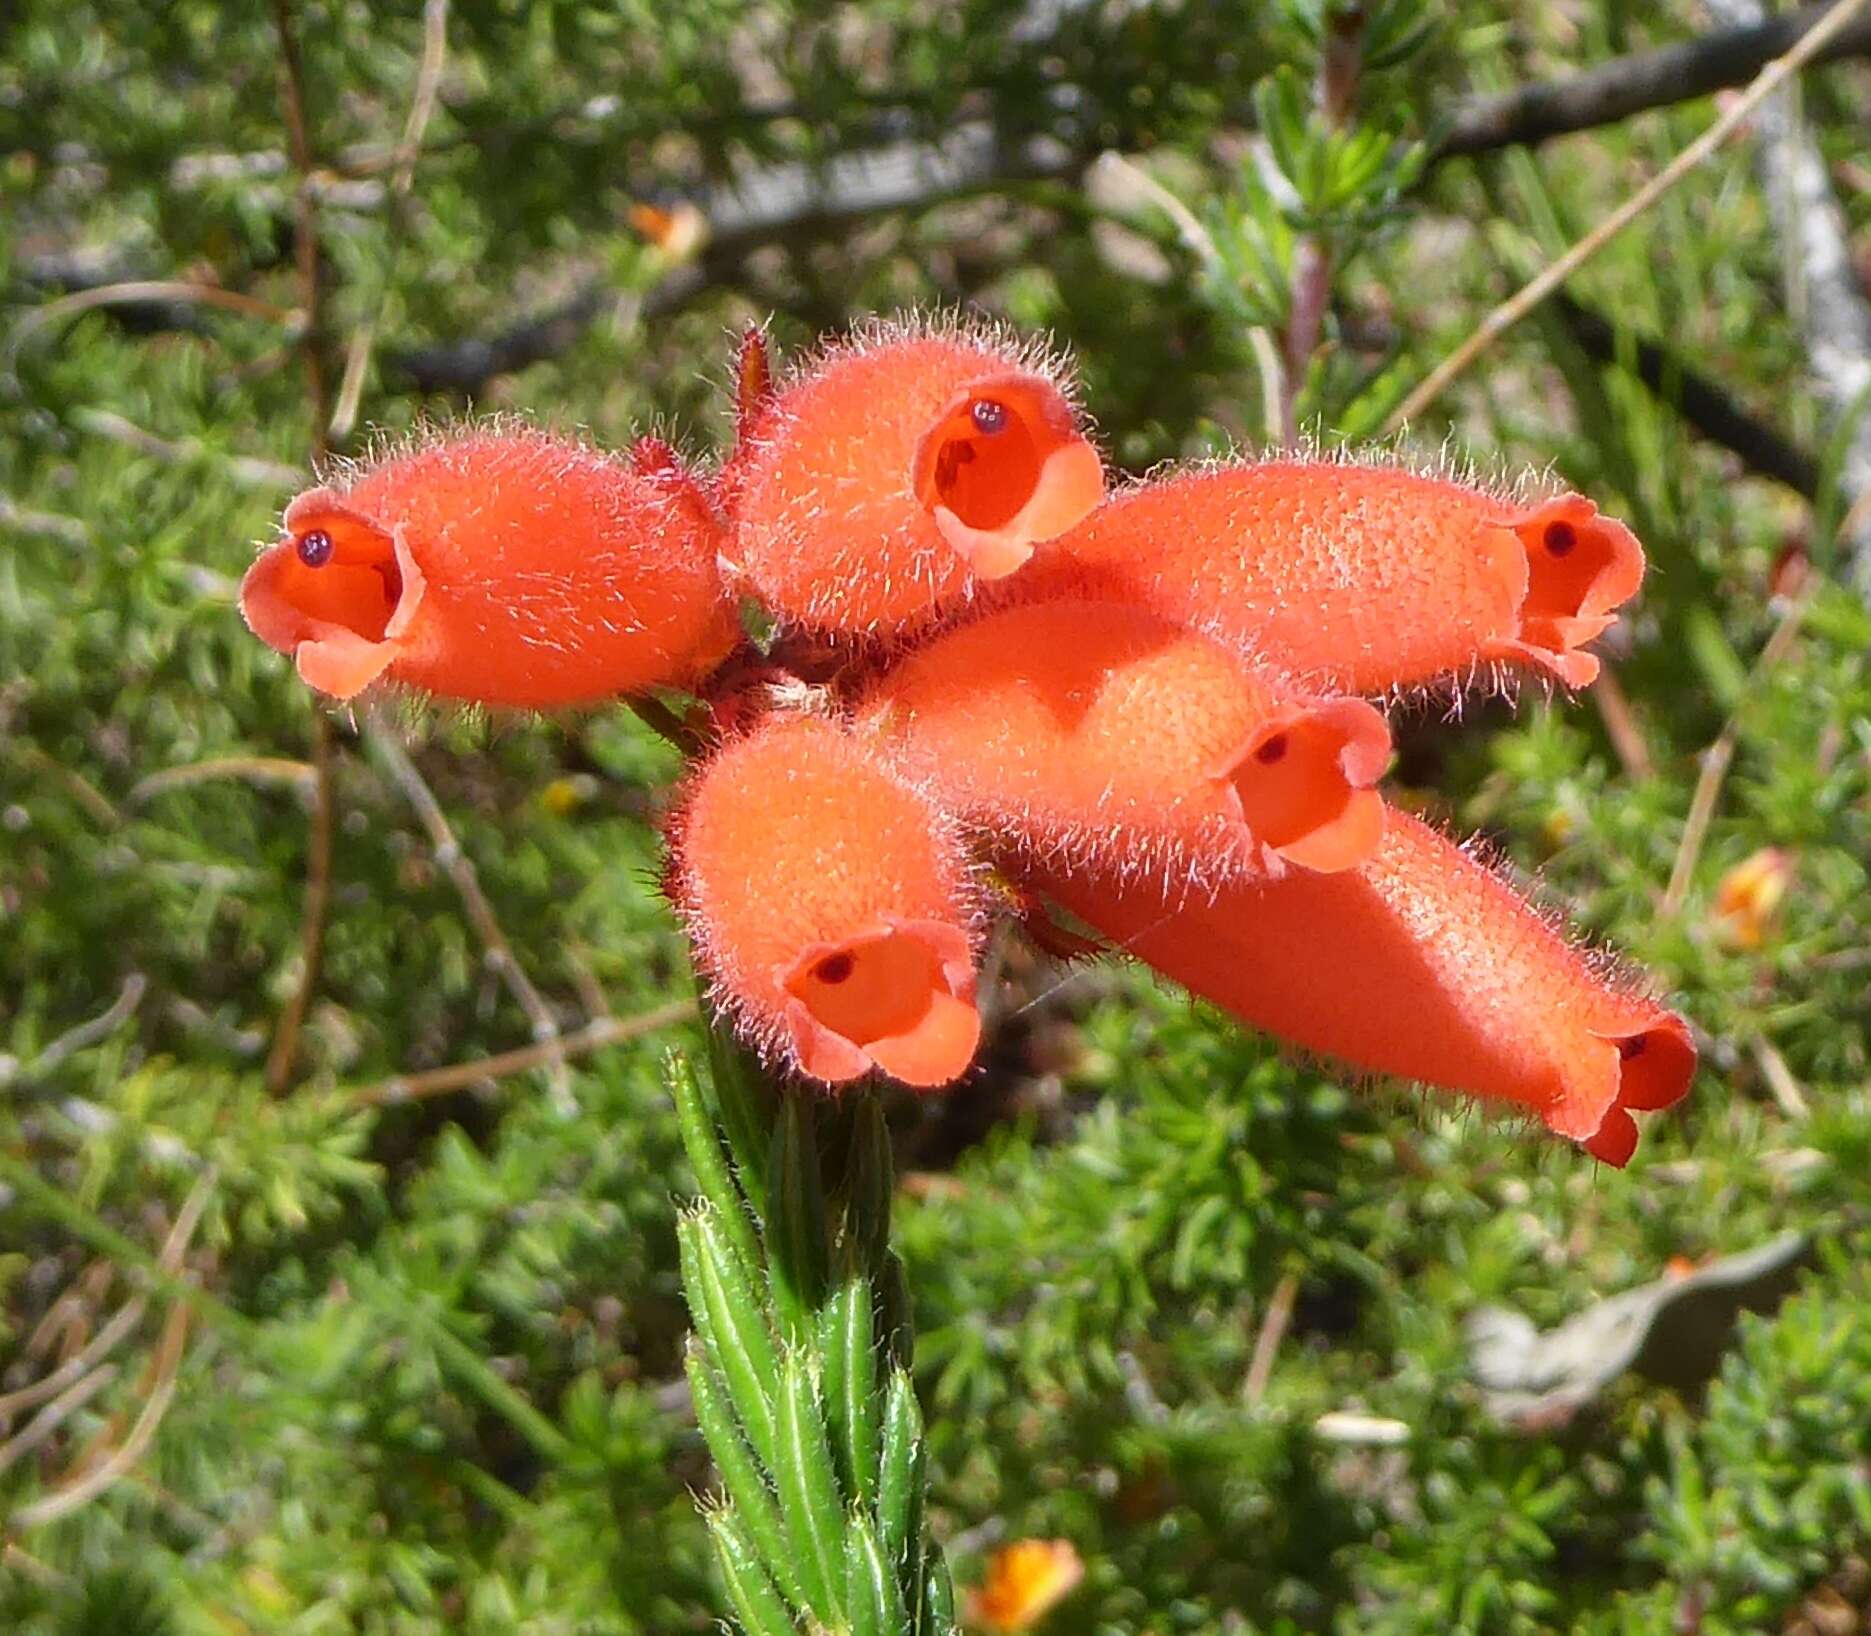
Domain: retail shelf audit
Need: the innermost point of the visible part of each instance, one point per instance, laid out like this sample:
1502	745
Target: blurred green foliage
439	1383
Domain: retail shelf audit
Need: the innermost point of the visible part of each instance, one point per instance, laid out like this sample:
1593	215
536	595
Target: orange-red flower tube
898	470
500	566
1096	731
830	905
1363	578
1422	963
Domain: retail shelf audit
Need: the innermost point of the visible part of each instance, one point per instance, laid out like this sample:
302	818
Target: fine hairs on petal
793	850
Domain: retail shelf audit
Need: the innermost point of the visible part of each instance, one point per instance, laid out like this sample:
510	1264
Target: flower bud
1094	731
500	566
1422	963
1361	578
830	905
900	469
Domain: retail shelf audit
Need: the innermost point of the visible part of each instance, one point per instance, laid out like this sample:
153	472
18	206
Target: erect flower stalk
799	1363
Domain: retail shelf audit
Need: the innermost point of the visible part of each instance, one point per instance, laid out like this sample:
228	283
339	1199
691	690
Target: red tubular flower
900	468
830	905
1364	578
1095	731
498	566
1424	964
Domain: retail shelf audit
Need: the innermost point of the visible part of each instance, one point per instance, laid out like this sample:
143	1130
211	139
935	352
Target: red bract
900	469
499	566
1143	710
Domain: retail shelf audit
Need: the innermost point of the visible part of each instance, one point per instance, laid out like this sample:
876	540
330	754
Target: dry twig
1273	1327
1516	307
1718	756
460	869
279	1060
403	173
594	1036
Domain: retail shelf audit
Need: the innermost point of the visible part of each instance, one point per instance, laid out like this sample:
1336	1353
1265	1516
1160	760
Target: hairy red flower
1100	731
1361	578
1422	963
830	905
500	566
899	469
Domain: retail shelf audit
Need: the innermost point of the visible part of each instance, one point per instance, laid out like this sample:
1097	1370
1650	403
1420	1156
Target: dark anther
1561	538
834	968
1274	749
315	548
990	418
1632	1047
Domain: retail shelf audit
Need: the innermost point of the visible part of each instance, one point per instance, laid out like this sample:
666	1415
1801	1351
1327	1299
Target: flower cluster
990	687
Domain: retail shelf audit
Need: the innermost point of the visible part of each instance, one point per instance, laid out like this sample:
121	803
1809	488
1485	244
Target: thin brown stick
1517	306
595	1036
250	769
279	1059
460	869
55	1414
305	217
1781	1080
1717	758
402	178
135	291
61	1380
1273	1327
62	1501
1627	738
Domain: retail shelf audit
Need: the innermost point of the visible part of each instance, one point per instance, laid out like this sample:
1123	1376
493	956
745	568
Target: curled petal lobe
1581	568
1095	731
944	458
831	906
498	566
1422	964
889	996
1361	578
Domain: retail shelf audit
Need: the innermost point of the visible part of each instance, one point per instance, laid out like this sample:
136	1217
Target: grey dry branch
1516	307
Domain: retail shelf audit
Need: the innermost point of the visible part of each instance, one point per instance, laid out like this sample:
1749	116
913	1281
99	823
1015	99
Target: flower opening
830	904
1095	730
1422	964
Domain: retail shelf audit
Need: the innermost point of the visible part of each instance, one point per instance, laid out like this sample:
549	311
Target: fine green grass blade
798	1229
741	1476
871	1182
808	1490
899	1471
876	1602
733	1326
701	1139
756	1603
851	1392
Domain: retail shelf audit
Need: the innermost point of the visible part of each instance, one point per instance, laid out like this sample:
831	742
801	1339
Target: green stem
800	1360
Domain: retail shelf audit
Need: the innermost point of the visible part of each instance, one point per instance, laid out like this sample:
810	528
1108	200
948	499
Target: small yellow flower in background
567	795
1748	895
1025	1581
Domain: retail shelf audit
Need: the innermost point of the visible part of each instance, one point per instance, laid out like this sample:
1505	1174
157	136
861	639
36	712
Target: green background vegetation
432	1381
